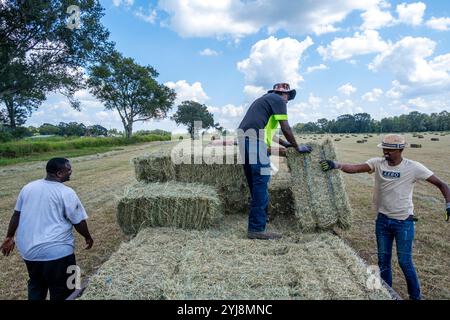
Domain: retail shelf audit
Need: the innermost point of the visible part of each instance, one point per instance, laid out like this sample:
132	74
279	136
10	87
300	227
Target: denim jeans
402	231
49	276
257	172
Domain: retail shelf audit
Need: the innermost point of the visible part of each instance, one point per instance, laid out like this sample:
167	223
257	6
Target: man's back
48	209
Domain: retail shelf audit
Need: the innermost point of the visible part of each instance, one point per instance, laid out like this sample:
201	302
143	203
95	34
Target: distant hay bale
360	141
320	198
434	139
181	205
420	136
174	264
337	139
415	145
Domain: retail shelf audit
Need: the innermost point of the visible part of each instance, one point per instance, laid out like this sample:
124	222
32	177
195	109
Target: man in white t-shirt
394	182
45	212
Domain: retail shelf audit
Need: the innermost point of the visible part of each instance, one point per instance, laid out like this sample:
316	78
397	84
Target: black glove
288	145
447	214
327	165
304	149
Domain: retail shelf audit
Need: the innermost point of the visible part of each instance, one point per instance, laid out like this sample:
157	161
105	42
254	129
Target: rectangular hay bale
181	205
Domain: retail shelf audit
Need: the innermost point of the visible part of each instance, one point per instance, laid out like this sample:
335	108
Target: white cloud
127	3
316	68
185	91
396	92
209	52
274	60
412	13
373	95
414	73
238	18
253	92
375	18
147	17
441	24
347	89
361	43
314	101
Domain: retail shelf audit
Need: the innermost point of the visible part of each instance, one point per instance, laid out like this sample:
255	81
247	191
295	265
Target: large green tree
189	112
42	51
131	89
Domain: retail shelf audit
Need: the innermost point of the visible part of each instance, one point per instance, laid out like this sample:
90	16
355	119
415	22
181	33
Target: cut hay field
100	179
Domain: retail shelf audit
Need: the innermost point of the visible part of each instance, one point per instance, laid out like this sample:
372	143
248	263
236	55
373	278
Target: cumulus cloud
373	95
441	24
149	17
238	18
253	92
208	52
366	42
375	18
186	91
411	13
347	89
127	3
316	68
407	59
274	60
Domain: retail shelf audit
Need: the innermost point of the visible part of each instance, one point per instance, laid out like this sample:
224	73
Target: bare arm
82	228
445	190
281	142
287	131
8	244
354	168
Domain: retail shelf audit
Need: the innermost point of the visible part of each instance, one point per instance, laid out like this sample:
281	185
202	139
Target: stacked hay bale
165	263
320	198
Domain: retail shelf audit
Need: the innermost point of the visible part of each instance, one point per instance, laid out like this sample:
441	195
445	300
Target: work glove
447	214
304	149
327	165
288	145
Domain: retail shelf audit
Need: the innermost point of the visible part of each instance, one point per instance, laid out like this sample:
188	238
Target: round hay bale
415	145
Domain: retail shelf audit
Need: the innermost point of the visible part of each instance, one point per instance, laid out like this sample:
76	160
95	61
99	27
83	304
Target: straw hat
393	141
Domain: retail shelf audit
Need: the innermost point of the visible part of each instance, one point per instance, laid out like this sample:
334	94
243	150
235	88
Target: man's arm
347	168
445	190
82	228
8	244
282	142
287	132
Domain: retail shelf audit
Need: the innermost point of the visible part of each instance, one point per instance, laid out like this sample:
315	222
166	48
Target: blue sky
343	56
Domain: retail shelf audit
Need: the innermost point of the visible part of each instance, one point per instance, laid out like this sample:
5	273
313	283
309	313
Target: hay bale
434	139
173	264
157	167
337	139
420	136
360	141
415	145
320	198
187	206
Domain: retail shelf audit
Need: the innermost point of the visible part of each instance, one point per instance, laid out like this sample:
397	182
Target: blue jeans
257	172
402	231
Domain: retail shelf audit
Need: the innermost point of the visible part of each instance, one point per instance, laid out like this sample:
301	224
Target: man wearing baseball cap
394	182
255	135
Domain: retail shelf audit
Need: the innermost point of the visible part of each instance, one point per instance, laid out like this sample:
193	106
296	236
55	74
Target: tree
40	54
131	89
189	112
49	129
96	130
72	129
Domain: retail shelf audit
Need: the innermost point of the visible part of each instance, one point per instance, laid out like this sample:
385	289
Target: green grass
37	150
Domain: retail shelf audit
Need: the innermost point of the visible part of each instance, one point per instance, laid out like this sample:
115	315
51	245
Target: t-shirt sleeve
422	172
73	208
279	109
373	163
19	201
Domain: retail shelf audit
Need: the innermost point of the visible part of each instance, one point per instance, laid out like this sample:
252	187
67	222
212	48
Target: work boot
263	235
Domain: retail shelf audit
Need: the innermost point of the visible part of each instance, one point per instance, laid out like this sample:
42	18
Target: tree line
364	123
41	54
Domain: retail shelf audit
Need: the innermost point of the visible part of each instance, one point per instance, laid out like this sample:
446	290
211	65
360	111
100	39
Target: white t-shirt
394	186
48	210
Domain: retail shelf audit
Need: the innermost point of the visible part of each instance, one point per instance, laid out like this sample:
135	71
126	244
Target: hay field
100	180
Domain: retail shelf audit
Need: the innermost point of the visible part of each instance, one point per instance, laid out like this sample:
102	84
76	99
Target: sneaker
263	235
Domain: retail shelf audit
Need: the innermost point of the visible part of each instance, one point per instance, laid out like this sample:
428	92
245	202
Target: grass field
100	179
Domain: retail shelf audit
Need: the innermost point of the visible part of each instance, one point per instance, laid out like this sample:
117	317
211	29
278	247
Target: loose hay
187	206
320	198
165	263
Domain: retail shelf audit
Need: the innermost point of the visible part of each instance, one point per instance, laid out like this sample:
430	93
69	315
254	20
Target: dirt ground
100	179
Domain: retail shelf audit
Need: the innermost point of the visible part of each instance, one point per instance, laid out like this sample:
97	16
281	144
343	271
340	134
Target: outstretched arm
8	244
347	168
82	228
445	190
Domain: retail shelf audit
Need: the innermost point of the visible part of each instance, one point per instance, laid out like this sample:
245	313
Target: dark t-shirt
264	114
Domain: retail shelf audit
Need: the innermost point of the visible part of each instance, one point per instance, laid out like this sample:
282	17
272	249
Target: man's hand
304	149
327	165
89	243
447	214
7	246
